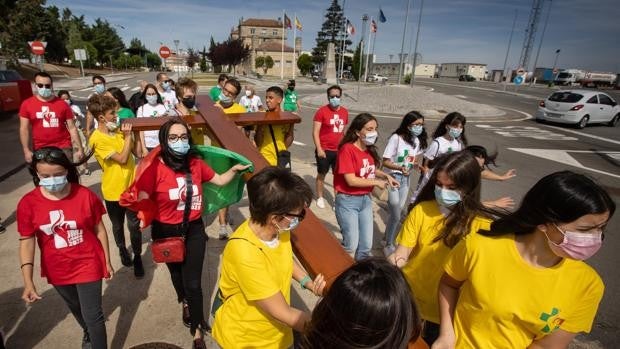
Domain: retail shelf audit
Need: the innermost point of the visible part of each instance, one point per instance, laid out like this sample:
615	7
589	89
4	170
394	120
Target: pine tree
331	31
355	65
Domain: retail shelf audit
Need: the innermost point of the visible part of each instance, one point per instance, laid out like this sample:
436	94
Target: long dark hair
451	119
173	160
55	156
119	95
369	306
561	197
463	169
405	134
357	125
481	152
143	95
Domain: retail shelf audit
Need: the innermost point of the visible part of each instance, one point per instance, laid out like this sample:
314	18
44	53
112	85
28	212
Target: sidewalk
137	311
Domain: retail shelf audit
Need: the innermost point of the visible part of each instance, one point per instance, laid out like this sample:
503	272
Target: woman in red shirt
164	182
356	174
65	219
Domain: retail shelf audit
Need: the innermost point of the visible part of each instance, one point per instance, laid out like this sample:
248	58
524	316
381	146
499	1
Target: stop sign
37	48
164	52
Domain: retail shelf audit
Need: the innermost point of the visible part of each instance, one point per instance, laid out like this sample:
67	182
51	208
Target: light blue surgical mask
152	100
100	88
293	223
416	130
334	102
44	92
447	197
180	147
455	132
165	86
224	99
53	184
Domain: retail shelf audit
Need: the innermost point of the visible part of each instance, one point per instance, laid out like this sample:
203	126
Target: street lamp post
402	45
176	48
542	37
359	70
415	51
508	50
555	62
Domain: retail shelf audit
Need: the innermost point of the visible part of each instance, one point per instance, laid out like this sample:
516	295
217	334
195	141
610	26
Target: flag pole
417	36
346	36
402	45
368	50
282	58
294	38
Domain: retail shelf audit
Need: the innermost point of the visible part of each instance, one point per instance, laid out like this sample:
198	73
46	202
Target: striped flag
287	22
350	28
382	18
373	26
298	23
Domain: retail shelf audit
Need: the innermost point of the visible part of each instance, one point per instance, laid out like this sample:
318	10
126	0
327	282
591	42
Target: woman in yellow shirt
447	209
523	283
257	267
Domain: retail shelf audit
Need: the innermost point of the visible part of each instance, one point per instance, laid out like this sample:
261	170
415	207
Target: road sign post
164	52
520	78
38	49
80	55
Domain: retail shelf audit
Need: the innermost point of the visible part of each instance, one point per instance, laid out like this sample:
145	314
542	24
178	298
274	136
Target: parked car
377	78
467	77
13	90
580	108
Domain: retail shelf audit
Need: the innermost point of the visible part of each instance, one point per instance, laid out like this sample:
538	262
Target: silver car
579	108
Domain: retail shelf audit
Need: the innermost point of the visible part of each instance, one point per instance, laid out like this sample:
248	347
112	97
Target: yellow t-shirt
249	274
235	108
116	178
505	302
267	149
425	265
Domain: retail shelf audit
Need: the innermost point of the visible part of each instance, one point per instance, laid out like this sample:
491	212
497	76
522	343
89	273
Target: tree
153	61
269	63
230	53
105	39
192	59
259	62
203	59
331	31
355	66
304	63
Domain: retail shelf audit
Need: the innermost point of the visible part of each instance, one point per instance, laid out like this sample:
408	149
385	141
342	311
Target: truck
585	78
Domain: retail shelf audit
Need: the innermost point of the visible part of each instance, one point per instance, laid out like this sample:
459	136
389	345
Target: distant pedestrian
404	146
124	110
65	219
167	92
216	90
330	121
135	101
283	135
49	121
291	99
250	101
98	89
152	106
186	89
524	283
356	174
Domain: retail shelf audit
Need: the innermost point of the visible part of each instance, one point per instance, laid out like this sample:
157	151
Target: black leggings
84	301
117	215
187	275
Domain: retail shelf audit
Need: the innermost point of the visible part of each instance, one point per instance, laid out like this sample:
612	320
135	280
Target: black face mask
189	102
292	88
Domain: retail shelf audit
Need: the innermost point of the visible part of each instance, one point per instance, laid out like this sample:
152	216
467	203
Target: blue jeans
354	216
396	202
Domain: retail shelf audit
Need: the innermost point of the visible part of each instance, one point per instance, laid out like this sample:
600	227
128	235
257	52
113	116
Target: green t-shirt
290	100
214	93
125	113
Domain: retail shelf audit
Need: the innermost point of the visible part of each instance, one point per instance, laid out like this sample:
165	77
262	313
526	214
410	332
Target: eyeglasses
175	138
337	96
53	153
42	85
301	215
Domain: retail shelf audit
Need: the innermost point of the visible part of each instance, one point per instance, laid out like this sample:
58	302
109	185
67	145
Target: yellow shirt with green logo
251	271
425	265
116	177
506	302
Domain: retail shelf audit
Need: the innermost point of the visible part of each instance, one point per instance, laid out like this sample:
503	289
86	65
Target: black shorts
323	164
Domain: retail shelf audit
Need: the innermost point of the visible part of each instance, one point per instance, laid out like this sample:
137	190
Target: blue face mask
334	102
53	184
180	147
416	130
100	88
152	100
165	86
293	223
455	132
447	197
44	92
224	99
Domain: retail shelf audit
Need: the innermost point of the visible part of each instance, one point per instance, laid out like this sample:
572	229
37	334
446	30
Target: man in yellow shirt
283	134
113	151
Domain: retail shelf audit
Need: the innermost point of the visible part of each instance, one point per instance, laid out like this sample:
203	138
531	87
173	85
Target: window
252	30
604	99
565	97
275	33
592	100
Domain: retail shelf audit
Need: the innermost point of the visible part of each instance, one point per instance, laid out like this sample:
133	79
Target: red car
13	90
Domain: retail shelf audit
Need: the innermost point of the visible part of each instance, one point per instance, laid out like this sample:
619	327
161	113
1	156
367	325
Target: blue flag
382	18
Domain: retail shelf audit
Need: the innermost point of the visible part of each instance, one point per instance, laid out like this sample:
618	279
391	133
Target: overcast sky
587	32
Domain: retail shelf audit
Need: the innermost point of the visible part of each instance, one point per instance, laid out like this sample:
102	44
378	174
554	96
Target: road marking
585	134
135	89
527	115
527	132
299	143
563	157
460	96
124	88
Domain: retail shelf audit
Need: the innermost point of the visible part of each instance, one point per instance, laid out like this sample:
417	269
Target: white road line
460	96
135	88
584	134
124	88
563	157
299	143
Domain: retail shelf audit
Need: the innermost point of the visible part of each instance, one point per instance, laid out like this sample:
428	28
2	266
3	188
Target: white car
580	108
377	78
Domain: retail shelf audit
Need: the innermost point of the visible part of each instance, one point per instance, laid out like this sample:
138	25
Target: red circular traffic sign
164	52
37	48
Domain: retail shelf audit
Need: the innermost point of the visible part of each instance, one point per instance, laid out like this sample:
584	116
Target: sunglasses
42	85
168	81
301	215
52	153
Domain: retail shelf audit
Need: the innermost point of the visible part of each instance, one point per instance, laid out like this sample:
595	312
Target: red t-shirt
332	126
65	232
353	160
48	121
167	189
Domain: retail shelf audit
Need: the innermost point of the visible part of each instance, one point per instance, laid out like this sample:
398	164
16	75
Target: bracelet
25	264
304	281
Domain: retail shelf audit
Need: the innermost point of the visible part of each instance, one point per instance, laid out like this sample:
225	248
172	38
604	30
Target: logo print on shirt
179	193
368	170
405	159
552	320
49	117
337	123
65	232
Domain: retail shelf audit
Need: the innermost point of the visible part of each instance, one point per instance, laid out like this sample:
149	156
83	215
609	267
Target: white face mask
248	93
272	243
370	138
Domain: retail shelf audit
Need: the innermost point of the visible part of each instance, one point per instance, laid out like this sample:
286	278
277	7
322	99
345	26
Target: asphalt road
533	149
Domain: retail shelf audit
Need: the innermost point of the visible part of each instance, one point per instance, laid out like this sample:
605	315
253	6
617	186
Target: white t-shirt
400	152
169	98
441	145
151	138
251	104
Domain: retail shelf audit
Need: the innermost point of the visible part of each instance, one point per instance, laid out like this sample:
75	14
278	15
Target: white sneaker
320	203
223	232
388	250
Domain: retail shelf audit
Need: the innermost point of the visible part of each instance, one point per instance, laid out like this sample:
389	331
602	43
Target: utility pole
508	49
542	37
402	45
367	51
415	51
176	47
346	35
359	70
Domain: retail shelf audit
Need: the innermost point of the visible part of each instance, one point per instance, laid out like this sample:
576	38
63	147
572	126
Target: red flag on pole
373	26
287	22
350	28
